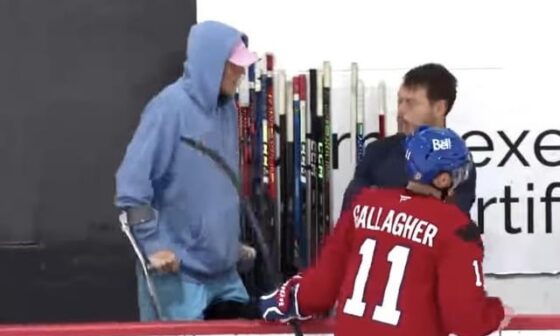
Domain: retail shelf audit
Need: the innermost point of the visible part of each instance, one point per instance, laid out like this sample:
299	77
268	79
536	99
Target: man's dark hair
438	81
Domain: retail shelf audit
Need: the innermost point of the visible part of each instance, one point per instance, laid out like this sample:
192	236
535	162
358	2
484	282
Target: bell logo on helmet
441	144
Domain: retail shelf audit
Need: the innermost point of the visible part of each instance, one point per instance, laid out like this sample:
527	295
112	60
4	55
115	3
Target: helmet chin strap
424	189
444	194
446	185
429	190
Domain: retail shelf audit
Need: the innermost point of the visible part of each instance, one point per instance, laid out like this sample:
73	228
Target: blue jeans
182	300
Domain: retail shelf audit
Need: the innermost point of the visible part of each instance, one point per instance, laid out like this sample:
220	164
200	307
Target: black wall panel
74	77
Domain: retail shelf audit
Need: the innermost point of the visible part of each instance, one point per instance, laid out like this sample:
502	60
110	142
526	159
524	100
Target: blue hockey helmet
433	150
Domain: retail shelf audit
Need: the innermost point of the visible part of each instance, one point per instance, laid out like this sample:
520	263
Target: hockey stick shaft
360	120
327	146
382	108
247	207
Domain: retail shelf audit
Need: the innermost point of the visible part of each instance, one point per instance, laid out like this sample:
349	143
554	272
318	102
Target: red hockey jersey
399	263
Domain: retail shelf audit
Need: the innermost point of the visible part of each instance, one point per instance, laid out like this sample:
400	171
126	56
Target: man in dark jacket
426	96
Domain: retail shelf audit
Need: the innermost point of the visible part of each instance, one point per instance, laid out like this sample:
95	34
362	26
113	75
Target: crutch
125	227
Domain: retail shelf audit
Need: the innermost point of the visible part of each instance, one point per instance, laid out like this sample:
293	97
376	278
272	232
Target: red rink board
522	324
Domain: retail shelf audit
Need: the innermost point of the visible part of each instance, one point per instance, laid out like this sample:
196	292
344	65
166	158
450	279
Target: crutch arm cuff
139	215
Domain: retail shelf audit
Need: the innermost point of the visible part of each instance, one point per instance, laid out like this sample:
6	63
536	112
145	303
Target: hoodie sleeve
146	160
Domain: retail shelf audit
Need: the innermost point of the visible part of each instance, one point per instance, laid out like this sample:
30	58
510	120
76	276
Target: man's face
231	78
415	109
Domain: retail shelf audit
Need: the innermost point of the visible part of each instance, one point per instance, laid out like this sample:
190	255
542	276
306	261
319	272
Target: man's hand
281	305
246	261
164	261
247	252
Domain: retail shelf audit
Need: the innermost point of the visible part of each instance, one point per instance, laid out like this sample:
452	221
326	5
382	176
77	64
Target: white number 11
386	312
477	273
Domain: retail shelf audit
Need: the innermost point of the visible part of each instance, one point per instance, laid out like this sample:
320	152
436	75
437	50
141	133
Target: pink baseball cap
241	56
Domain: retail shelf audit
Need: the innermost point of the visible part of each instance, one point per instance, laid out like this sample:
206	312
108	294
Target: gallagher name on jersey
396	223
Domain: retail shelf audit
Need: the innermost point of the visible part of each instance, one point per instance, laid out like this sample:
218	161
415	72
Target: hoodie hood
209	46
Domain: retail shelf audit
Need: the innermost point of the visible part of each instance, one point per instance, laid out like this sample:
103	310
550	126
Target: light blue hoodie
197	209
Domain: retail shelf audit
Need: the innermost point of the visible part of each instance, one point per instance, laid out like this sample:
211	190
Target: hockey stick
248	209
320	173
304	162
325	165
381	108
271	136
353	110
289	240
145	266
299	254
360	119
312	217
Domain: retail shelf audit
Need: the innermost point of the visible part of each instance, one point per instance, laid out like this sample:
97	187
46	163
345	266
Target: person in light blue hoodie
183	210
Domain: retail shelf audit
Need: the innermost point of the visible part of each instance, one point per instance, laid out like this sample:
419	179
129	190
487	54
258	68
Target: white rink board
530	332
546	325
503	333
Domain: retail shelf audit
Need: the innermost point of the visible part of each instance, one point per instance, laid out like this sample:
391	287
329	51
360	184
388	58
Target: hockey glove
281	305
